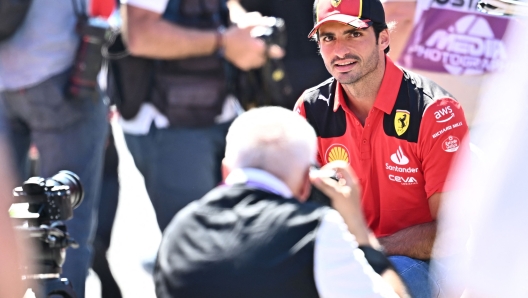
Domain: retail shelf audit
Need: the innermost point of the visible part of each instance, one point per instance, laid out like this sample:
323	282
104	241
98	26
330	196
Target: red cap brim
342	18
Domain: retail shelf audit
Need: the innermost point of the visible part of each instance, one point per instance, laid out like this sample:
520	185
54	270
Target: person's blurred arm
415	241
12	255
147	34
331	258
340	267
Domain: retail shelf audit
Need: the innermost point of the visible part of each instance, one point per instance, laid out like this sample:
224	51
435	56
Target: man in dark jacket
256	236
177	133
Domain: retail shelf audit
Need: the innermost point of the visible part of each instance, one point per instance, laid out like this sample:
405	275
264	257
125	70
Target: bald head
273	139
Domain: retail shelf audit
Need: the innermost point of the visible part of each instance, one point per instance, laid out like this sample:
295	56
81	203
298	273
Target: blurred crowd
416	107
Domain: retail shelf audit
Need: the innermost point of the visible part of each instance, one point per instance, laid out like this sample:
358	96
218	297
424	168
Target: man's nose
340	49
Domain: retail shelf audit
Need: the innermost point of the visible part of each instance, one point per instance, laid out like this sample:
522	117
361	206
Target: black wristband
376	259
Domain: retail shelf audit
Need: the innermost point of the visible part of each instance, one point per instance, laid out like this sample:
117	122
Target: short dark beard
370	66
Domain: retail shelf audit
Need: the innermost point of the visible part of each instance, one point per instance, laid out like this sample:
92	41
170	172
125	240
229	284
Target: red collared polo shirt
403	152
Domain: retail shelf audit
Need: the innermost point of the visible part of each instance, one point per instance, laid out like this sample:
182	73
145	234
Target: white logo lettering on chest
403	180
399	158
323	98
444	114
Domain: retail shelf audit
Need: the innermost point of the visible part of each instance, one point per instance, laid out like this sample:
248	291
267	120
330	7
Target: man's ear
225	170
384	39
306	188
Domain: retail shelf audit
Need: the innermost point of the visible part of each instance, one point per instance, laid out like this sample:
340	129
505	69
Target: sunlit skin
349	54
355	60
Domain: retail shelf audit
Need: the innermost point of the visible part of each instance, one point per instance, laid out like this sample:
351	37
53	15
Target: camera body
49	201
268	85
52	199
273	32
316	195
94	33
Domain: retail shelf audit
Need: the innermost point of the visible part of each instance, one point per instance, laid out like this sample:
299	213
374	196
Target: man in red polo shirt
399	131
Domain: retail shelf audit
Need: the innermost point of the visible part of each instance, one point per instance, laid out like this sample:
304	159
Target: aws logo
444	114
337	152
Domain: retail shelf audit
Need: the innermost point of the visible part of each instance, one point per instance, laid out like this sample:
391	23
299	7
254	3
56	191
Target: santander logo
399	158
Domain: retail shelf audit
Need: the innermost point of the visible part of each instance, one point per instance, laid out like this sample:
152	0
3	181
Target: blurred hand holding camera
345	196
242	48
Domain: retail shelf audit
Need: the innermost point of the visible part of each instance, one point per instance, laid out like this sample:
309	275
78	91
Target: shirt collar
259	179
390	85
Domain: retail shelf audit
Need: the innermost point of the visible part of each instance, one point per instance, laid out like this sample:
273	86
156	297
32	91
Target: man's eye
356	34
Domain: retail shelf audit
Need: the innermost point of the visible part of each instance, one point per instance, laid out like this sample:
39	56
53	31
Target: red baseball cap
357	13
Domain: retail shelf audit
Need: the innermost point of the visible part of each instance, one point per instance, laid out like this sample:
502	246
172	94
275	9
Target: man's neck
361	95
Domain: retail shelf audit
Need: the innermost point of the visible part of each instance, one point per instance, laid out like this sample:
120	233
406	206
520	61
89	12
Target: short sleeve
442	135
157	6
299	109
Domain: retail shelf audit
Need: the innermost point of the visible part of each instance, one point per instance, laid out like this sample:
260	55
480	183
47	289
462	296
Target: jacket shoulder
415	95
318	105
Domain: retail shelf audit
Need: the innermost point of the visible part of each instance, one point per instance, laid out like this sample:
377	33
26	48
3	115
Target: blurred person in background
176	132
256	236
68	129
304	68
450	42
110	185
398	130
105	220
484	225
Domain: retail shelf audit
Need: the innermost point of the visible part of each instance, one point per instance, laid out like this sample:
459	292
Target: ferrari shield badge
335	3
401	121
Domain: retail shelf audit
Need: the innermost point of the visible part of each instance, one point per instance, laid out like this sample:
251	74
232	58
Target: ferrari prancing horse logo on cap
335	3
401	121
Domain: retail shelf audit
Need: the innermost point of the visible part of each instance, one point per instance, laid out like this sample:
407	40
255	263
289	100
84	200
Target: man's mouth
344	66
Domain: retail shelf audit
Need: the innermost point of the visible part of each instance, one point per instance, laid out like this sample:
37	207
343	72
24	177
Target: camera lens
71	180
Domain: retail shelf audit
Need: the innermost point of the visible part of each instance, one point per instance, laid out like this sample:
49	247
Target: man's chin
346	79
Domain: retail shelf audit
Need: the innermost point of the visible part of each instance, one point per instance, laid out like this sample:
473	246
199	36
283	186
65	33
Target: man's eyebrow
326	34
350	31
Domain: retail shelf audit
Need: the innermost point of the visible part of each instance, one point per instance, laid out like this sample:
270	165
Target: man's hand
147	34
345	196
242	48
414	242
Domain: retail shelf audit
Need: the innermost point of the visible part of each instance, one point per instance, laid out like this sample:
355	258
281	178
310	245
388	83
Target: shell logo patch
335	3
337	152
401	121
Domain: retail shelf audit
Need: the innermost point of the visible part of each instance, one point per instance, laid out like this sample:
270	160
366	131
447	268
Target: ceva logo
399	158
403	180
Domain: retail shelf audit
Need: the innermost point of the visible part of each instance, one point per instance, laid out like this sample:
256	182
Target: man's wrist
219	41
377	259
